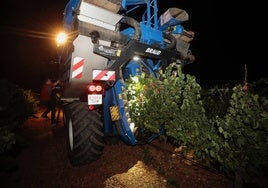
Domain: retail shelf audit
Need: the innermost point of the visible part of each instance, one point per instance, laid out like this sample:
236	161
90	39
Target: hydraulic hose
97	32
132	22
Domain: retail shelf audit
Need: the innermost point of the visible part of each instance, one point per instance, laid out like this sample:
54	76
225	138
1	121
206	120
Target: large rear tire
84	132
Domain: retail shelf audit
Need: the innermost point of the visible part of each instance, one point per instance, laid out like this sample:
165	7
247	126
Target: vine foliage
229	134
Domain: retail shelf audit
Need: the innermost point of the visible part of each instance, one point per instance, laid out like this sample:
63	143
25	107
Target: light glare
61	38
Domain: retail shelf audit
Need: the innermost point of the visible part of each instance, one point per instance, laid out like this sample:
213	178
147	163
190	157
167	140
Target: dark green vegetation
16	105
225	128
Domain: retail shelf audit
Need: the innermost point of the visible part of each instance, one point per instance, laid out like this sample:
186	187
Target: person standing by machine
45	99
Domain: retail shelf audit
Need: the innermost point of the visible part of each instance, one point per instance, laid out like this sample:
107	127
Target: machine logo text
153	51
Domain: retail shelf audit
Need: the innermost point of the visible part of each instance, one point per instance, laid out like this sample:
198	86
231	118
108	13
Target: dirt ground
44	164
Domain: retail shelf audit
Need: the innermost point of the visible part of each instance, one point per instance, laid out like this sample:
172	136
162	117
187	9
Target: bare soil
44	164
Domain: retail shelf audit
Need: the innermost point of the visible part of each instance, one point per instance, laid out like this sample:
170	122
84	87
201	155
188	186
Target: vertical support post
245	87
155	15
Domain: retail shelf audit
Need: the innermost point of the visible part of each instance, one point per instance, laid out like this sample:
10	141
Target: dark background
226	38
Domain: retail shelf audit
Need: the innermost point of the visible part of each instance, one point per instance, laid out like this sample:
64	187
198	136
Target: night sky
225	40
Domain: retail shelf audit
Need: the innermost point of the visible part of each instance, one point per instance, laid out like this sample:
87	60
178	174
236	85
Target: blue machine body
152	34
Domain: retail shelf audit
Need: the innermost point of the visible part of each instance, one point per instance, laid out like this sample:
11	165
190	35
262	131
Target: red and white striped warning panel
103	75
77	68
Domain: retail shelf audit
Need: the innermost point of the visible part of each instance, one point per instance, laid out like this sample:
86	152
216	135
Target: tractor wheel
84	133
66	114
